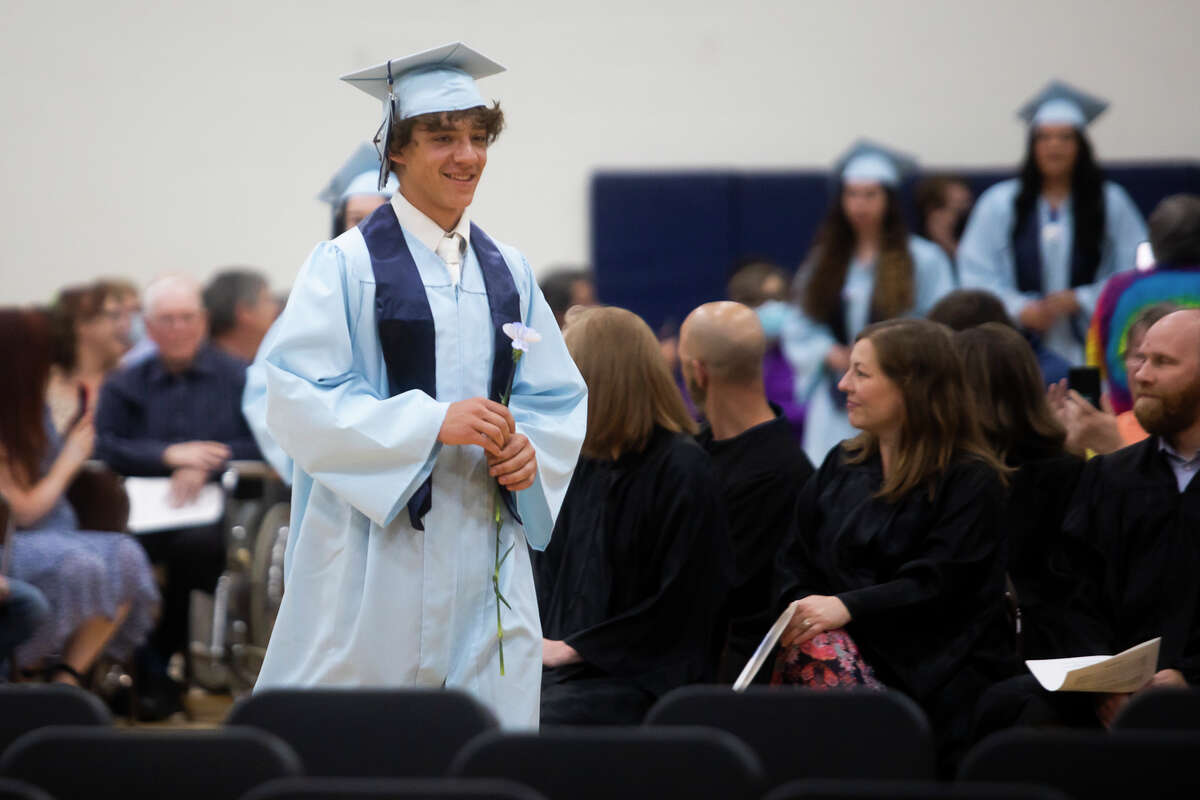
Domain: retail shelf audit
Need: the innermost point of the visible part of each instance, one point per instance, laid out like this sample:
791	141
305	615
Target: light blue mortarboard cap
868	162
359	175
441	79
1061	104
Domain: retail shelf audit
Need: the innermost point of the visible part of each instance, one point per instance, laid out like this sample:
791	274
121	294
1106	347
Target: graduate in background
632	586
1046	242
758	461
864	267
352	194
383	376
896	547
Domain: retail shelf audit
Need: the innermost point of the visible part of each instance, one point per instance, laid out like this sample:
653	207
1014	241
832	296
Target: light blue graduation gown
806	342
254	409
368	600
986	260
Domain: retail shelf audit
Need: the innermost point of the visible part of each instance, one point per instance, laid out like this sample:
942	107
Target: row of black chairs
762	740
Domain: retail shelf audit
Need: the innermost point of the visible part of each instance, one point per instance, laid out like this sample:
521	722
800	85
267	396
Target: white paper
150	506
764	650
1127	671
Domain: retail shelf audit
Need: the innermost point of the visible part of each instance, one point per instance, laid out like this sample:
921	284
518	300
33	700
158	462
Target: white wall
141	137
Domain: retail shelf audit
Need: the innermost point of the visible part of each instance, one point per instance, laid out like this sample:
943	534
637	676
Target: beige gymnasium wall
145	136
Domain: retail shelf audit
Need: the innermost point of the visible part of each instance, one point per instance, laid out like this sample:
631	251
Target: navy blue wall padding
665	242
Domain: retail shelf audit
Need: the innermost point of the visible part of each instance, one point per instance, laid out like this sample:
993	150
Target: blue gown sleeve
985	254
371	450
549	405
934	276
1124	230
254	409
805	343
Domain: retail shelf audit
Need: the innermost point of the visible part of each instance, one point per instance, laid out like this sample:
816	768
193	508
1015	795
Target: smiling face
440	168
874	402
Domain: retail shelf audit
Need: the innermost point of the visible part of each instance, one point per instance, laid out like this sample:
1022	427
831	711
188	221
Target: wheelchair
230	629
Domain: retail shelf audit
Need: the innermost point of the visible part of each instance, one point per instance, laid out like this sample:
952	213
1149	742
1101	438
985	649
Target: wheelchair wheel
266	573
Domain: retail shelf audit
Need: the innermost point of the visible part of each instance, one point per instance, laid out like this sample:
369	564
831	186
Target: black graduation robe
923	579
761	472
1145	535
1042	564
635	579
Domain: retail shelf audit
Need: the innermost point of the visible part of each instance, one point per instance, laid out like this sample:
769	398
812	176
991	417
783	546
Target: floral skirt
829	660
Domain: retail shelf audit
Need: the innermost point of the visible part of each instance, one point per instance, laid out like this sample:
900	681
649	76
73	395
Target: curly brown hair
831	254
491	119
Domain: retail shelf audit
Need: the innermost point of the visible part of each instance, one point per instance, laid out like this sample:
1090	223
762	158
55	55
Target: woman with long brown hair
99	586
631	585
865	266
91	330
896	562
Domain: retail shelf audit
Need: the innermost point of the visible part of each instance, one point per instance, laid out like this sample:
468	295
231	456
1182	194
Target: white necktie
450	251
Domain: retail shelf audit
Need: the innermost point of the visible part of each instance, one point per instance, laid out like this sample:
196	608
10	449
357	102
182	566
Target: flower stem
498	518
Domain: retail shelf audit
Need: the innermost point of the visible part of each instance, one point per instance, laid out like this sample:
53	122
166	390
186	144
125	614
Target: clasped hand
490	425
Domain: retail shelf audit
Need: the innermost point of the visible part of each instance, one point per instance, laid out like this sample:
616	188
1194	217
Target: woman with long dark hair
864	267
895	563
1046	241
99	586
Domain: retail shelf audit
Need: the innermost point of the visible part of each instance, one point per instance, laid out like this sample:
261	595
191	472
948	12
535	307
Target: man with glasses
177	413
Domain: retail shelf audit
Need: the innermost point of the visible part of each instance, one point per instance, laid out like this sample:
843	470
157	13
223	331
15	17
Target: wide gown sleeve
549	405
371	450
985	255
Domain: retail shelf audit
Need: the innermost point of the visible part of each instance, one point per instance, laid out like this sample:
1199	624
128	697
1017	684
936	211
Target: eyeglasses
170	320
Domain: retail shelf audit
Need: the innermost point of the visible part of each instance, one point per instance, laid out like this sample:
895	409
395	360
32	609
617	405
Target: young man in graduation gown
383	377
1139	509
758	462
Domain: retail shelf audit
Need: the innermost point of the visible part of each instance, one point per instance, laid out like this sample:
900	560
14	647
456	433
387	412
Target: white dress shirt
430	234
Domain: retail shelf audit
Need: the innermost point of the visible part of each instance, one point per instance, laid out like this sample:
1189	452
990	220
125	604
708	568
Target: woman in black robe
896	545
1006	390
632	585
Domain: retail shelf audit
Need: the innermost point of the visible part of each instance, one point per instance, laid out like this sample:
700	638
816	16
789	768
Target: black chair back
27	707
1163	710
1091	764
79	763
391	789
19	790
365	733
601	763
911	790
807	734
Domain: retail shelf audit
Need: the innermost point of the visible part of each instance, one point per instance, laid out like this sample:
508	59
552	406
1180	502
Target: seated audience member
240	310
566	288
1139	508
1099	430
1006	392
944	203
763	286
177	413
966	308
632	585
758	461
91	330
23	609
1174	278
99	586
895	563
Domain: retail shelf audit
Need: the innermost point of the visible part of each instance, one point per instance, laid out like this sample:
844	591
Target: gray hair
164	285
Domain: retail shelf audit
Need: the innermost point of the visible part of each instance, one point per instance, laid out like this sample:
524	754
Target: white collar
428	232
1175	454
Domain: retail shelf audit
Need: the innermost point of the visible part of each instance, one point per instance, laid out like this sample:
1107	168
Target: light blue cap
1062	104
441	79
868	162
359	175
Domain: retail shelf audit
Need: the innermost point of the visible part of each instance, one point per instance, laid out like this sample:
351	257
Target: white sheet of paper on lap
150	506
764	650
1127	671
